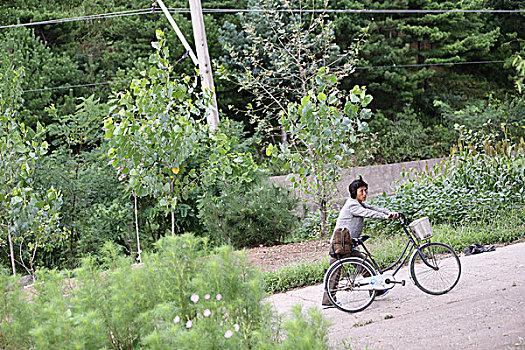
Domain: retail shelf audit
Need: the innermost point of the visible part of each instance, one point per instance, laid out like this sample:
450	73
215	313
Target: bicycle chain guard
377	282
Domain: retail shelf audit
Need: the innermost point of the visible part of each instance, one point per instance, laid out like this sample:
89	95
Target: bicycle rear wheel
442	272
341	281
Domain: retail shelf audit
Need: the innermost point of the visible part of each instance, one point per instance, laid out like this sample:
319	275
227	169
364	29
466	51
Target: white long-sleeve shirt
353	213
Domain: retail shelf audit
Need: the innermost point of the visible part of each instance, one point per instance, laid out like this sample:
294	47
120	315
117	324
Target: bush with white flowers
185	296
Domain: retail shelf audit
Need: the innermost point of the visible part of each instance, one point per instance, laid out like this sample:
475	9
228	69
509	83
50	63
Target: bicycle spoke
444	273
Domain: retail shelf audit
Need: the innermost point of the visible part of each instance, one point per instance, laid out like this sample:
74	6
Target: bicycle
359	280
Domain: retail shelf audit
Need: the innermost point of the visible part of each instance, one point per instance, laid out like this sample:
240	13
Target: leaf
156	45
333	99
269	150
354	98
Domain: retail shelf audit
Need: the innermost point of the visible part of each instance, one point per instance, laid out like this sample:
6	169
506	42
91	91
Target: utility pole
201	46
203	60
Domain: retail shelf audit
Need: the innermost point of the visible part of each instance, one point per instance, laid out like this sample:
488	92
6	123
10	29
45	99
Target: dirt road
486	310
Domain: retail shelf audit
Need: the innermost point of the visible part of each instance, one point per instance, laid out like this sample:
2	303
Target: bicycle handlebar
402	218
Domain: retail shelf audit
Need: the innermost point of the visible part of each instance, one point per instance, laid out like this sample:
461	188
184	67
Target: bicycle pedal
402	282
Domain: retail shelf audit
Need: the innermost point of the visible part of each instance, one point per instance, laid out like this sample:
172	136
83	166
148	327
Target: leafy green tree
519	63
322	128
152	132
275	56
401	39
27	215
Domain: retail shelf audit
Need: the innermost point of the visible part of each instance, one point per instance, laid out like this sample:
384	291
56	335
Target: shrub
15	314
186	296
310	227
465	188
406	138
262	213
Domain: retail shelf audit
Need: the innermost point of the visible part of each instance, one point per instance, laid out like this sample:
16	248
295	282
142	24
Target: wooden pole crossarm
179	33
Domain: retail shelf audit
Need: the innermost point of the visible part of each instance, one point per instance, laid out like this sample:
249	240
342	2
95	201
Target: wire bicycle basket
421	228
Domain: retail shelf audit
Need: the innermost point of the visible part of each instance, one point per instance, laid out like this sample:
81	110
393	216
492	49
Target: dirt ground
272	258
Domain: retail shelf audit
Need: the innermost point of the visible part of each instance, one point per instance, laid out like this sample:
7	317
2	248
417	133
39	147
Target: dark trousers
332	284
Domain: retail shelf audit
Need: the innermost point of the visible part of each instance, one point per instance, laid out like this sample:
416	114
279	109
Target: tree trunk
322	210
172	215
11	250
73	219
284	137
139	251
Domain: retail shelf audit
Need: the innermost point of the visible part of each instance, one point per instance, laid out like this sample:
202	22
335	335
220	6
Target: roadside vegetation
186	295
503	227
107	159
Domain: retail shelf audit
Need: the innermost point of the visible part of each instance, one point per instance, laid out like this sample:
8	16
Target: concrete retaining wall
380	178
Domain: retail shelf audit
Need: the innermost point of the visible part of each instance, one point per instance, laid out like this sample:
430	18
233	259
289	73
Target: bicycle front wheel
439	273
341	283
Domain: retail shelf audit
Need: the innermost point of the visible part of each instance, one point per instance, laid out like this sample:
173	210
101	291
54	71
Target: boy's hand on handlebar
393	215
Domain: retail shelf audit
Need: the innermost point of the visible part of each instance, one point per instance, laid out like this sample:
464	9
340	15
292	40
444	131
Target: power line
361	11
183	57
186	10
367	67
433	64
76	86
83	18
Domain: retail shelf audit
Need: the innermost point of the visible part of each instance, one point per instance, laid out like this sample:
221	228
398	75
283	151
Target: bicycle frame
411	244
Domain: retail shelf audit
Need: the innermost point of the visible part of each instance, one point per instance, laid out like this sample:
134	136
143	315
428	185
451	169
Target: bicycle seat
360	240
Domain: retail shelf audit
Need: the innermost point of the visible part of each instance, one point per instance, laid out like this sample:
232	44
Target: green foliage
415	39
275	55
27	214
152	132
78	168
321	130
185	296
15	313
396	40
405	138
519	63
489	120
154	129
297	339
43	69
310	228
466	187
159	141
294	276
259	213
224	157
117	49
505	226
